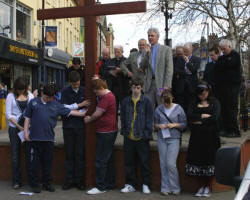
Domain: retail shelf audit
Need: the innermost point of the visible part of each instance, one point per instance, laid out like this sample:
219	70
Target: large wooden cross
89	10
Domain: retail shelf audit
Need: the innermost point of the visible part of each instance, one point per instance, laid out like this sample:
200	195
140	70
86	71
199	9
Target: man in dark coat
185	76
192	64
209	73
76	65
120	82
178	81
227	87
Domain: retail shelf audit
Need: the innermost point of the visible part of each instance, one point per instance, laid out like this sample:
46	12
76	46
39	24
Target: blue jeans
105	177
168	153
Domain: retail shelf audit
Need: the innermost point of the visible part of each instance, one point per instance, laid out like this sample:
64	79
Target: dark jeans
132	149
105	171
74	142
41	153
228	97
15	143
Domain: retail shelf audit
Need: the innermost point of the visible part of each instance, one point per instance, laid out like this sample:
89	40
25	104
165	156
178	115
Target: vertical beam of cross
90	62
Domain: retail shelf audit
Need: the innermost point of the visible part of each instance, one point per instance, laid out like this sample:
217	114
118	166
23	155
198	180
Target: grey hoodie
177	116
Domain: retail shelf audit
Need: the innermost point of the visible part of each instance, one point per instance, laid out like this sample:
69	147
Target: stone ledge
4	139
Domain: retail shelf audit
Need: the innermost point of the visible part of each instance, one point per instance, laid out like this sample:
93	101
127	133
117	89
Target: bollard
2	114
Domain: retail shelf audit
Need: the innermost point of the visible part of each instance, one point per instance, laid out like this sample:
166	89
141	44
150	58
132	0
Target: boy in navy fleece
41	115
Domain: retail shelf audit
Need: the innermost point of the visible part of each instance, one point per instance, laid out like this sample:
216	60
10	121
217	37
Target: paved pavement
7	193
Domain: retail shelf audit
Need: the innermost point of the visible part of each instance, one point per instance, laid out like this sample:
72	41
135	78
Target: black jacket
106	66
69	96
191	79
209	74
178	81
228	69
182	80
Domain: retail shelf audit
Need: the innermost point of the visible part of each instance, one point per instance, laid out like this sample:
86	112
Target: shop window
22	24
5	18
24	71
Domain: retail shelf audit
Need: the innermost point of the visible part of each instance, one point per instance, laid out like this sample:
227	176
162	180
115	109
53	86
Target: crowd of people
154	92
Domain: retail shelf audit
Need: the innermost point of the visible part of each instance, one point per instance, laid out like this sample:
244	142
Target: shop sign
51	36
23	51
19	52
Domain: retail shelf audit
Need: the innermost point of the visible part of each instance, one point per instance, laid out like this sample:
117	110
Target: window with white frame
6	8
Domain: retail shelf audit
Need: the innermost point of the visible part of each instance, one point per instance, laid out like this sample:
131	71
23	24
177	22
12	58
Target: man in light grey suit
158	67
131	67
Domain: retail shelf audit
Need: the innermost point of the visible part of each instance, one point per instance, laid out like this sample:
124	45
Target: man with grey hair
120	83
190	79
131	67
227	87
158	67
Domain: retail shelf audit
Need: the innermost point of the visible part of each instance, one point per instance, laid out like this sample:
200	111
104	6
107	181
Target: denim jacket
143	125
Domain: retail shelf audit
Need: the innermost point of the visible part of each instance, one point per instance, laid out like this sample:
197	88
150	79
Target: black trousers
74	142
132	149
105	171
184	98
41	154
228	97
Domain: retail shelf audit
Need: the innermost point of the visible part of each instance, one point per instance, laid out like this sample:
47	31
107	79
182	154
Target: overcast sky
128	30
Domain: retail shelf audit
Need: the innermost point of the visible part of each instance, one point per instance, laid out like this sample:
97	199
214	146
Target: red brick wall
188	184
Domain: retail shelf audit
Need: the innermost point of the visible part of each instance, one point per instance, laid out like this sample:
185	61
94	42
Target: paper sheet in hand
165	133
111	67
26	193
21	135
82	110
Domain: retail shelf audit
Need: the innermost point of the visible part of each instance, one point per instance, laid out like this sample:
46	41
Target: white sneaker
128	188
145	189
176	193
207	192
200	192
95	191
165	193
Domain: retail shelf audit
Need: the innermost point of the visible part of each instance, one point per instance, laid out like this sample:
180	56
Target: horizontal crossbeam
95	10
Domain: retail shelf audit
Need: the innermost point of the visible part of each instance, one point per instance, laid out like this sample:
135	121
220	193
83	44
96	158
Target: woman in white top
170	119
16	103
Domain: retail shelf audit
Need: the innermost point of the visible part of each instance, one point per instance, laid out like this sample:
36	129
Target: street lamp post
167	5
43	26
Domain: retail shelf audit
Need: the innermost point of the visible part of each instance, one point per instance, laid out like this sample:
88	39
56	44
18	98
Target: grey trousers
168	153
152	94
